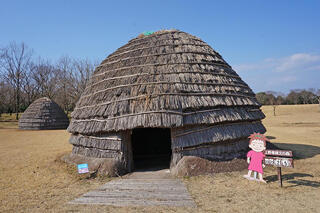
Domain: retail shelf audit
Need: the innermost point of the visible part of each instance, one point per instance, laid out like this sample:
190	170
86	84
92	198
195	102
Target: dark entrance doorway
151	148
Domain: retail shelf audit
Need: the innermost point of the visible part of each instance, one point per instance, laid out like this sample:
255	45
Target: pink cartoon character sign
255	156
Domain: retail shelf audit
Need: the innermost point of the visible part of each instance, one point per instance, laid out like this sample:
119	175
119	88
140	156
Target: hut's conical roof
43	113
167	79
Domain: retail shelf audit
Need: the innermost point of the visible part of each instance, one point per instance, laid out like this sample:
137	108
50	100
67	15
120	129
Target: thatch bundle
169	79
43	114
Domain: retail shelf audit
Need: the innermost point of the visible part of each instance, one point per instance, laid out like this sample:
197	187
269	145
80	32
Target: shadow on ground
290	179
300	151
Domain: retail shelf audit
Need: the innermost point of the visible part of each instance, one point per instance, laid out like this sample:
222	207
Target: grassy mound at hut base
192	166
103	166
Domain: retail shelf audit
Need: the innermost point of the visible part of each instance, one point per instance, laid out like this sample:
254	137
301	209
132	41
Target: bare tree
45	76
80	75
64	70
29	88
73	75
6	100
315	98
15	64
3	92
293	97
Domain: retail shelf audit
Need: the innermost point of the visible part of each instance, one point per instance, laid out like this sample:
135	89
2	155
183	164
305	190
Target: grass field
33	180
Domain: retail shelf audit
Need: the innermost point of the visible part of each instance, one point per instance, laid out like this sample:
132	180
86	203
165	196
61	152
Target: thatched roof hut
43	113
167	88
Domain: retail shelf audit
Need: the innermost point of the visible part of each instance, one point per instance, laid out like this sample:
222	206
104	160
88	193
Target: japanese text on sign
279	162
283	153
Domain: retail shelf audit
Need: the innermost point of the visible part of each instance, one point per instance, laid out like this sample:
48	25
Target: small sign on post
279	158
83	168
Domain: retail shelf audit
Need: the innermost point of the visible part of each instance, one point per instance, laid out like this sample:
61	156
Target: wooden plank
139	192
133	195
280	153
279	161
131	202
173	188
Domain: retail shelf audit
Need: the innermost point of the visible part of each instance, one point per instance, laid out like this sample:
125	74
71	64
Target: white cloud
299	61
300	70
296	62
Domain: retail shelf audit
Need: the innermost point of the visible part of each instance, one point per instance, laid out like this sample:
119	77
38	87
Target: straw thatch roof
43	114
166	79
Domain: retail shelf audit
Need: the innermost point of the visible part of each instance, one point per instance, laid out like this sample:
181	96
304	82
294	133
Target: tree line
297	96
24	78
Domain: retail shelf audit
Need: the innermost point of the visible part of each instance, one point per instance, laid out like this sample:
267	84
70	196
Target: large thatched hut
43	113
164	95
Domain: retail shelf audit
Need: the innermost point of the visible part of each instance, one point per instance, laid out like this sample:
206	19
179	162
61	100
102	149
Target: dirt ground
33	180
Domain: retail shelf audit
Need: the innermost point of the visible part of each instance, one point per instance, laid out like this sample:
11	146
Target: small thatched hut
168	94
43	113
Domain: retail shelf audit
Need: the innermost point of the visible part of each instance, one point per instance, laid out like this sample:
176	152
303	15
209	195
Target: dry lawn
33	180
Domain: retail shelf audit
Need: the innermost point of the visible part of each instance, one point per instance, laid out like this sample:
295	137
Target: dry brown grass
32	180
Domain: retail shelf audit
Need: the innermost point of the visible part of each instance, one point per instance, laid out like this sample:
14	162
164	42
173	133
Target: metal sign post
279	176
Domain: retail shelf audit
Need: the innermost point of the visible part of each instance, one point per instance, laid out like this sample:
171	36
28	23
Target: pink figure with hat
255	156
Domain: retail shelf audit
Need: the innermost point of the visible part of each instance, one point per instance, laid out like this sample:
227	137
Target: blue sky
273	45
